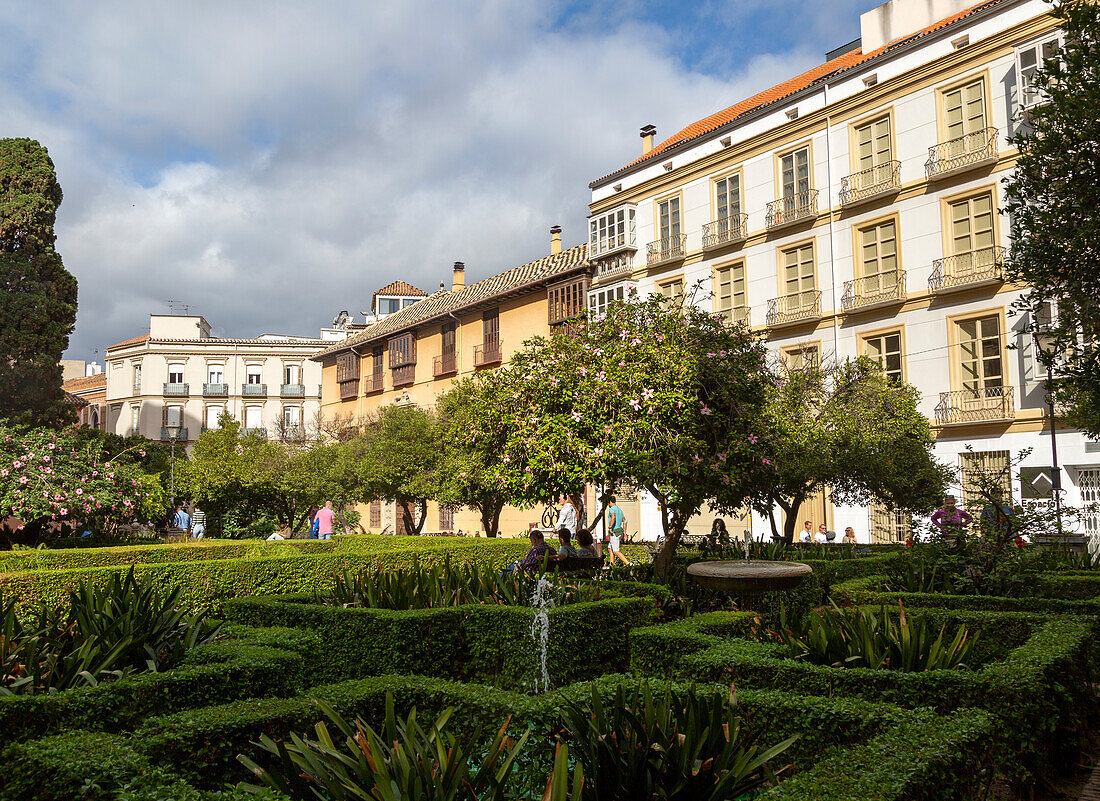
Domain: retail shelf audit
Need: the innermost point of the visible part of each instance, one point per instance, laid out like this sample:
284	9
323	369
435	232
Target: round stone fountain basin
741	577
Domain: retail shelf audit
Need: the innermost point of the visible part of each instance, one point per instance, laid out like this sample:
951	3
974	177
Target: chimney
648	134
459	281
555	240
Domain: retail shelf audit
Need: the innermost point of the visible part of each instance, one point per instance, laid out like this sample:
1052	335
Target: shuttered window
565	301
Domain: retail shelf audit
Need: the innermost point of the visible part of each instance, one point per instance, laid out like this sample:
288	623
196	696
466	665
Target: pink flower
766	461
46	458
462	475
647	394
721	456
507	458
48	470
141	452
622	364
696	458
753	439
598	451
710	354
601	375
576	416
706	409
50	446
722	353
64	511
636	404
554	382
110	475
95	473
3	472
23	480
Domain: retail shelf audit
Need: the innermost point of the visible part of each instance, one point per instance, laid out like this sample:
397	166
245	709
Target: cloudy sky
271	163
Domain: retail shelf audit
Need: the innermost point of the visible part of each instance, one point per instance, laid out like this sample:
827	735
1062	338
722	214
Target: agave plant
404	761
856	637
686	747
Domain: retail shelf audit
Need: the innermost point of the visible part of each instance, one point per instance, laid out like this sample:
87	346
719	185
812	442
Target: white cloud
273	163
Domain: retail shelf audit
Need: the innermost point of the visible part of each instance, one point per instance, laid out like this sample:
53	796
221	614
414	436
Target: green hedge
1052	590
473	642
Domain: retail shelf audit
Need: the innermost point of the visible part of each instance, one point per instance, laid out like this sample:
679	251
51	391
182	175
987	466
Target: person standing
198	523
182	520
951	521
616	521
567	517
325	519
822	534
807	532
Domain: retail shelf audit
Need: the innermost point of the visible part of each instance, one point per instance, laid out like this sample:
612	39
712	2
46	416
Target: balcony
614	267
668	248
791	209
962	153
349	388
873	290
404	374
292	390
725	231
166	434
446	364
968	270
215	390
797	308
736	316
254	390
137	387
176	390
612	232
372	384
487	353
859	187
255	431
975	405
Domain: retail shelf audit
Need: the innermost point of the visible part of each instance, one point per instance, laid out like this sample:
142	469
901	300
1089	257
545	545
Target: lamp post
173	435
1056	471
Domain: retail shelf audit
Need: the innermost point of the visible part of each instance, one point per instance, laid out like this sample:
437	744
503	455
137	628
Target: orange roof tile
133	341
98	381
787	88
401	289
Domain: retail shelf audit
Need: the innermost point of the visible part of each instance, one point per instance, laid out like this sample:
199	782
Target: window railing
404	375
871	290
962	152
215	390
166	433
254	390
614	266
976	404
258	431
738	314
666	249
137	386
791	209
349	388
870	183
487	353
964	269
292	390
725	230
444	365
373	384
794	308
176	390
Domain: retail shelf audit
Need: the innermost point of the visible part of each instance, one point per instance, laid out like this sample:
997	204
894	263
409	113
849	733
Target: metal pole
1056	471
172	491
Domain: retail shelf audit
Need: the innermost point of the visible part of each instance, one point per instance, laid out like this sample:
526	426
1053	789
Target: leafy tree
668	399
37	293
400	456
466	472
851	430
1055	212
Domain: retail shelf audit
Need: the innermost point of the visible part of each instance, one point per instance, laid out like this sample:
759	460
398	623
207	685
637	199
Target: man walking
325	518
182	520
616	521
198	523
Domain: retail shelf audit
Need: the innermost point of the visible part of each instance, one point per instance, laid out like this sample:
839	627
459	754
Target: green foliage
406	760
105	633
1052	203
677	747
37	293
77	764
860	637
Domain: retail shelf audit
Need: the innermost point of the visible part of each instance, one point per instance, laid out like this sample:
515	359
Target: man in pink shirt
325	518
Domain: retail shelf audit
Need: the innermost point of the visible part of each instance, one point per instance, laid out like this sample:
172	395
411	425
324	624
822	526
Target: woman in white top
567	517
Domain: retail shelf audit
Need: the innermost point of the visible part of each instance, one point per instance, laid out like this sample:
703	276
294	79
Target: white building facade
854	210
177	380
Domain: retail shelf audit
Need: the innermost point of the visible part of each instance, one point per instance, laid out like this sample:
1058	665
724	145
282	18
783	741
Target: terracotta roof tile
443	301
133	341
98	381
401	289
783	90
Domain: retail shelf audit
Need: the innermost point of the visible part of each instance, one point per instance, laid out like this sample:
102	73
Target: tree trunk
674	529
423	506
792	519
490	517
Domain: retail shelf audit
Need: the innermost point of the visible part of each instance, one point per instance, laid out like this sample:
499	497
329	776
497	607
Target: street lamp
173	435
1042	339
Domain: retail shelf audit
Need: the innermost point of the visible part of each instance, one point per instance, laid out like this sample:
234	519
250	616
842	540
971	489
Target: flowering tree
669	399
58	477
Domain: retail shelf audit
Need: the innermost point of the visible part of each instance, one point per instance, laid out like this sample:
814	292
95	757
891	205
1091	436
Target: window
347	368
611	231
888	525
403	359
253	416
448	339
215	374
801	357
729	292
292	417
253	374
375	514
490	329
886	350
668	218
873	145
971	226
1029	59
292	374
406	302
981	363
795	173
599	300
798	272
446	519
964	109
388	305
565	301
173	416
870	80
137	377
728	196
878	258
376	367
135	418
984	470
213	415
673	290
175	374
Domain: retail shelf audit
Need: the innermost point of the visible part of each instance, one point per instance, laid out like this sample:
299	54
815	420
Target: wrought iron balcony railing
254	390
666	249
614	266
166	433
882	179
176	390
974	405
137	387
444	365
487	353
258	431
874	290
372	384
962	153
738	314
794	308
725	231
965	269
791	209
292	390
215	390
349	388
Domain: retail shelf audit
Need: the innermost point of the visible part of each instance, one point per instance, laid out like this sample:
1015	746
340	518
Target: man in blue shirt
182	519
616	521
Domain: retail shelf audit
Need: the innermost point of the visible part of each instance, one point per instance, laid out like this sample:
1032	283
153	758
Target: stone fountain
746	578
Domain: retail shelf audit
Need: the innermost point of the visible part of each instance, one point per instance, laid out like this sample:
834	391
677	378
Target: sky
270	164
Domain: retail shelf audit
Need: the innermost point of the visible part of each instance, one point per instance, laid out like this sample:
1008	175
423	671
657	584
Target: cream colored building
854	209
178	379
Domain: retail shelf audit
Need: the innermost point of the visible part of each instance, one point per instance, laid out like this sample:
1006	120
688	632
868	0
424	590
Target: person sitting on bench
585	549
534	557
565	550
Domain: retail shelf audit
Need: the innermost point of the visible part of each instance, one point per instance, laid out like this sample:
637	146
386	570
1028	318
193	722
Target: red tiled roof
787	88
401	289
133	341
87	382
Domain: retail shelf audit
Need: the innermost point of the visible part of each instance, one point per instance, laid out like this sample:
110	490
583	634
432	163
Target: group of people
823	536
194	523
567	530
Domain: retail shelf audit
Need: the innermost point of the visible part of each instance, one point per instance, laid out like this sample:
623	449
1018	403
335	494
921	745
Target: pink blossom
95	473
721	456
576	416
766	461
753	439
696	458
64	511
80	492
50	446
3	472
722	353
110	475
23	480
598	451
710	354
601	375
647	394
622	364
48	470
17	463
507	458
462	475
554	382
46	458
635	403
141	452
706	409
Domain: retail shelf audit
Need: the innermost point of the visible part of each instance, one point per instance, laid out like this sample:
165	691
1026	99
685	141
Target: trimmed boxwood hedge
472	642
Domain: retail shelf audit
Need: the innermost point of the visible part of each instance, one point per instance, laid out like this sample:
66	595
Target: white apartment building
177	380
854	210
